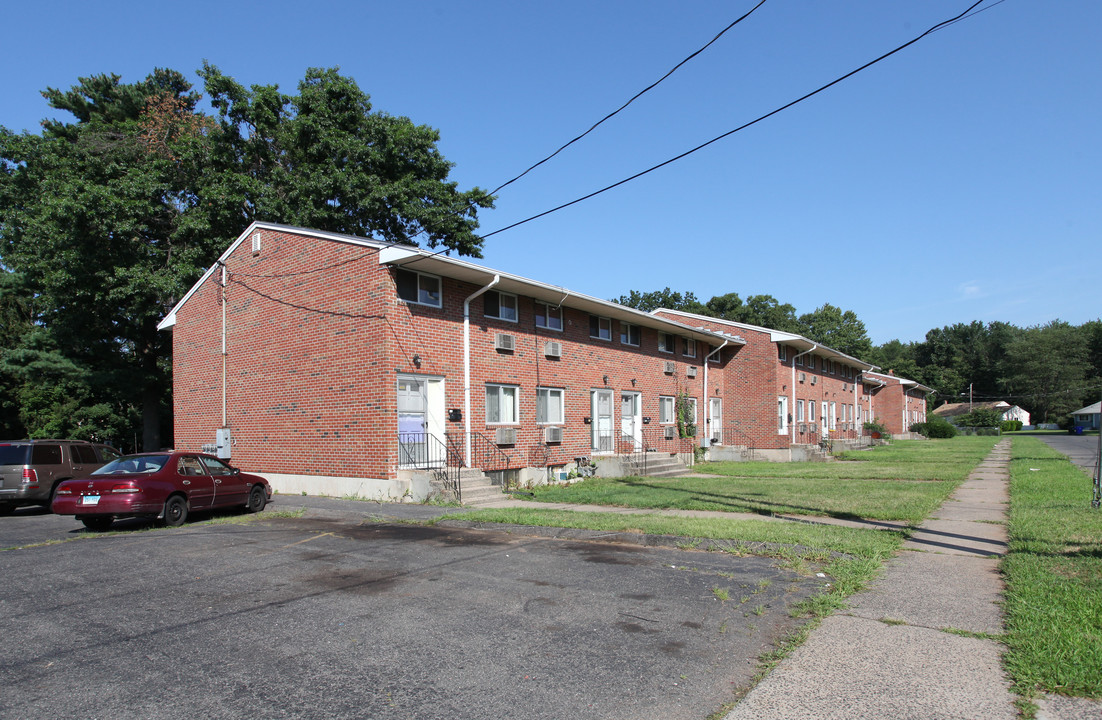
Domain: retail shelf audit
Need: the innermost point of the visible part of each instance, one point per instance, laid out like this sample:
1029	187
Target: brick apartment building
340	365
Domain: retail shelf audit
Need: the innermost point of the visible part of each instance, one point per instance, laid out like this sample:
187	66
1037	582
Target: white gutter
467	368
792	393
706	436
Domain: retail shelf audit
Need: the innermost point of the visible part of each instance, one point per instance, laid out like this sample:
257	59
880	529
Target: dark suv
31	469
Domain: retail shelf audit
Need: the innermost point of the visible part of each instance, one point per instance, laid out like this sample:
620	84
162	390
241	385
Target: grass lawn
1053	572
903	481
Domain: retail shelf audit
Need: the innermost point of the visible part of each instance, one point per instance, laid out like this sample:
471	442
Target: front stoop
479	490
660	466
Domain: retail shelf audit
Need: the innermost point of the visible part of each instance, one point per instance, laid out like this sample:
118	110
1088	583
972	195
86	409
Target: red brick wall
314	393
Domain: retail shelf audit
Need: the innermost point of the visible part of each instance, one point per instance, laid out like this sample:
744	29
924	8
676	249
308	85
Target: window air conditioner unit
552	349
803	377
552	434
669	367
803	427
505	436
671	433
690	371
845	387
504	342
814	379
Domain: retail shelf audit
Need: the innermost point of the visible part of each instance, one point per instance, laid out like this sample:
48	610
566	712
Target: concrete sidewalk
889	655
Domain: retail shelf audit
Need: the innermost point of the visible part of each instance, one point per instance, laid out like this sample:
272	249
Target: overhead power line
635	97
716	139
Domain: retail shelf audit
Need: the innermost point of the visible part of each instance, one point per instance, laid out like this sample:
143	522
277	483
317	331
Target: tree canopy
107	219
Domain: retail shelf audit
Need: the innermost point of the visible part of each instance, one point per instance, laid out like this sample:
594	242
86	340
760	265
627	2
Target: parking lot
334	615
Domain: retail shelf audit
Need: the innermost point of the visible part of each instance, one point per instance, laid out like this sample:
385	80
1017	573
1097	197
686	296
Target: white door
824	418
631	420
715	420
602	421
421	441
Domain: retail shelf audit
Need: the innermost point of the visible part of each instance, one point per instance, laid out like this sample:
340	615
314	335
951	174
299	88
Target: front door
631	421
420	421
824	418
602	421
715	420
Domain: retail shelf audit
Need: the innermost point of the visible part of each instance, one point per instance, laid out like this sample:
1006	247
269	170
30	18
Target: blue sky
958	180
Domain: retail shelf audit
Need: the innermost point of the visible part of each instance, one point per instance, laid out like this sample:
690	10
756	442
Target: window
832	366
833	415
501	404
688	347
811	411
548	316
666	415
782	353
502	306
629	334
782	415
600	328
665	342
415	287
216	467
799	411
549	405
692	407
800	360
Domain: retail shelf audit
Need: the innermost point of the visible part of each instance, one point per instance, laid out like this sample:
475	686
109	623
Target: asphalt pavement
346	611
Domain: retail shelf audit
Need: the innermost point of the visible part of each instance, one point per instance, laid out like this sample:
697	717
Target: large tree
107	219
1048	368
838	329
323	159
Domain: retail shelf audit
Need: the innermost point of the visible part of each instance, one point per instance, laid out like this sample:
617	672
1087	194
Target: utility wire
629	102
716	139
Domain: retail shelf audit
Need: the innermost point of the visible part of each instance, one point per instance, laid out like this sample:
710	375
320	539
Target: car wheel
6	508
97	523
175	511
257	499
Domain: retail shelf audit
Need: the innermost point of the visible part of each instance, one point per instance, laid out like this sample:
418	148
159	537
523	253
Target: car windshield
133	464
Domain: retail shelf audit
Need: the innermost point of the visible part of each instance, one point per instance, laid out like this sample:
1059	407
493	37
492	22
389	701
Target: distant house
895	402
1006	411
1088	416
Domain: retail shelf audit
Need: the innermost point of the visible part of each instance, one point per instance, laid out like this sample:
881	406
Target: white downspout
223	345
467	368
706	436
792	392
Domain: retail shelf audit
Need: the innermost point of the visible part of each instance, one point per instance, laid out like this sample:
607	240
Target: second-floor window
502	306
630	334
419	288
688	347
600	327
666	342
548	316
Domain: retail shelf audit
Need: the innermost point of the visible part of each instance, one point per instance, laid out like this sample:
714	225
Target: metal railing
425	451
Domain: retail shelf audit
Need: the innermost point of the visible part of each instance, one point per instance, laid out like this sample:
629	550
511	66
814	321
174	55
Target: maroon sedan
165	485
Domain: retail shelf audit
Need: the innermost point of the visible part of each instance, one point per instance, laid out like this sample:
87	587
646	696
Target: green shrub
1011	425
877	427
939	427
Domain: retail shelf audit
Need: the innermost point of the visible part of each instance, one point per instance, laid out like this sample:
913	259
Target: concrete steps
660	465
478	490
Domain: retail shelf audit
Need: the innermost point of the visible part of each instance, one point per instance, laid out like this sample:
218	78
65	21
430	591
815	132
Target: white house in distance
1006	410
1087	417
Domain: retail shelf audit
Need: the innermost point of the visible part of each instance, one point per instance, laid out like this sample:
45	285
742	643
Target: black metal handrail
425	451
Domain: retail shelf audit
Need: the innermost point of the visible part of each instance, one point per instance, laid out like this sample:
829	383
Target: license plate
89	500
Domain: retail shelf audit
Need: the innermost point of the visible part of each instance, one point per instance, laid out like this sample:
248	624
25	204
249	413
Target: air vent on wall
552	349
803	377
505	436
552	434
690	371
504	342
669	367
671	433
814	379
